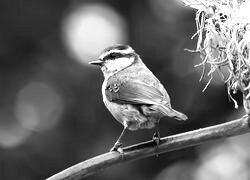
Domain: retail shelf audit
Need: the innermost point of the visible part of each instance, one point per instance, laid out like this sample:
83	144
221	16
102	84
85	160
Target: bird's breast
114	108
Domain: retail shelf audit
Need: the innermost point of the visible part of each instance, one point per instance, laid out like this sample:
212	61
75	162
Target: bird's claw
156	137
117	147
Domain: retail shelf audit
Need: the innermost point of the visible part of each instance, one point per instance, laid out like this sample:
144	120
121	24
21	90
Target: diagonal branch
146	149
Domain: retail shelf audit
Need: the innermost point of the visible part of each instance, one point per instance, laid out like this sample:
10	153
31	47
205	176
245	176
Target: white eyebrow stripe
125	51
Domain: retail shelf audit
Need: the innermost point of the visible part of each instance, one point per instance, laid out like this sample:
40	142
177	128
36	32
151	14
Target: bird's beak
96	62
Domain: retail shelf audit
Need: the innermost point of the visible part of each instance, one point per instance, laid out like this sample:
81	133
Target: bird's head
116	58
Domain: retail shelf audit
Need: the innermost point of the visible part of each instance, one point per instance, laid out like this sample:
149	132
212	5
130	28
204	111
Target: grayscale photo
124	90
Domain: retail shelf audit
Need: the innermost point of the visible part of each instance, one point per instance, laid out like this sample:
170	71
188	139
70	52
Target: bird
132	93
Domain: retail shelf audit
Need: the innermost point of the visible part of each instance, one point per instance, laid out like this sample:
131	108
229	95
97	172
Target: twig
146	149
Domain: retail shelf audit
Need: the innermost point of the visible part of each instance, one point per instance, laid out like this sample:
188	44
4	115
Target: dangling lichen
223	30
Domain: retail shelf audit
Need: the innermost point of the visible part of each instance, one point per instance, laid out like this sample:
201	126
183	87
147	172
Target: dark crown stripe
115	55
116	47
122	47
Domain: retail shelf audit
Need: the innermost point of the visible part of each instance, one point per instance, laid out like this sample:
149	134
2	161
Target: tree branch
146	149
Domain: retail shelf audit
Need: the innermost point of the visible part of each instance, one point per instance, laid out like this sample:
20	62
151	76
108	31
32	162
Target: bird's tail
179	116
168	111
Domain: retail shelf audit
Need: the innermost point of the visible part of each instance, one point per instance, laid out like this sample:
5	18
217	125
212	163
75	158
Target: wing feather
133	92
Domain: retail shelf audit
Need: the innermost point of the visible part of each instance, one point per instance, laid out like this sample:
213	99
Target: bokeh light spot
38	106
13	135
89	29
224	162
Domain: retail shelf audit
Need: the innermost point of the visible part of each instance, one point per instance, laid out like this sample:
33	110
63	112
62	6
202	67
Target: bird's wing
132	92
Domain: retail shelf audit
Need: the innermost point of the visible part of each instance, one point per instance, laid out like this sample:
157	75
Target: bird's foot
156	137
117	147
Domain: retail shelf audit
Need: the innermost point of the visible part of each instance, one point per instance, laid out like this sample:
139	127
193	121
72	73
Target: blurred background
51	110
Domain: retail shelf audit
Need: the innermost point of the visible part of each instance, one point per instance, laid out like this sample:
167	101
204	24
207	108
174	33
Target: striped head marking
115	58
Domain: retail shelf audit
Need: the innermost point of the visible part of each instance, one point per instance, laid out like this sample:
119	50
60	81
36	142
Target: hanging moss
223	30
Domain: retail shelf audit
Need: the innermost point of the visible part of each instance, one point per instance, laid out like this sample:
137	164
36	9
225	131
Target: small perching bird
131	92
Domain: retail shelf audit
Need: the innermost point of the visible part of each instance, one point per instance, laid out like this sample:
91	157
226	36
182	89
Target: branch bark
146	149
